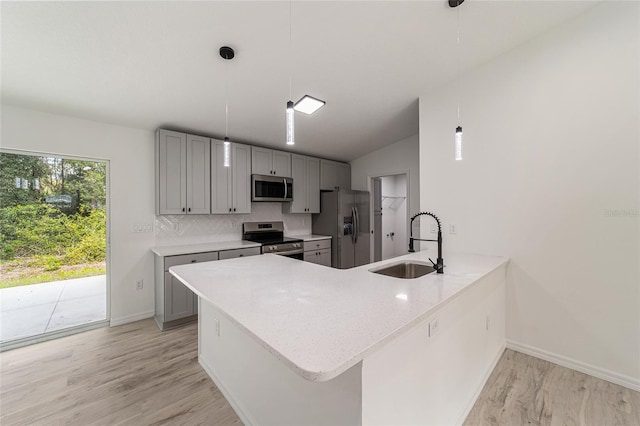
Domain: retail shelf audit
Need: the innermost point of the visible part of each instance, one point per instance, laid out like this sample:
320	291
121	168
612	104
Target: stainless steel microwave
271	188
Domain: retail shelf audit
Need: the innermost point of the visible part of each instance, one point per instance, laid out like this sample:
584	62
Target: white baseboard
564	361
476	394
244	418
131	318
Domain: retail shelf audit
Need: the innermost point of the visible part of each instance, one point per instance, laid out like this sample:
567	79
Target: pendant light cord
458	57
290	47
226	100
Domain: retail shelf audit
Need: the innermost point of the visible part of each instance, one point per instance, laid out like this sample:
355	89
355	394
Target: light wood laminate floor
136	375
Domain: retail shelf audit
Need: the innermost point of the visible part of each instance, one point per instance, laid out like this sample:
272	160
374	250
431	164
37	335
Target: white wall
550	178
400	208
131	174
400	157
394	216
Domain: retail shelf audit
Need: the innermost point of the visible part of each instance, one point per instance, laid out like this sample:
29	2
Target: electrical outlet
145	227
434	228
175	226
453	228
139	284
488	322
434	327
217	327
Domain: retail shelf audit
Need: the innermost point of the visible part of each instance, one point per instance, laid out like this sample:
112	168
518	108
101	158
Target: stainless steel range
271	236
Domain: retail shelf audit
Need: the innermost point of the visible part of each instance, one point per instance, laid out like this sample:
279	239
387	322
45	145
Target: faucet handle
435	265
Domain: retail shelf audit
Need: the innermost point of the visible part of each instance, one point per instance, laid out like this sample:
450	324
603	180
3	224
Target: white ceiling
156	64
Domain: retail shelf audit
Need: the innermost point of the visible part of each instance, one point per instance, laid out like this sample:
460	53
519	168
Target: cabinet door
171	172
261	161
344	175
178	299
313	185
282	163
324	257
198	175
241	177
299	174
328	175
311	256
221	190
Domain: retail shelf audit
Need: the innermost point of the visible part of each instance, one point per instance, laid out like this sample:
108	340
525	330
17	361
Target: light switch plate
434	327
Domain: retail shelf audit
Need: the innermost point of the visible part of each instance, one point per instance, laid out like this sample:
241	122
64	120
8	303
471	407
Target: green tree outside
52	219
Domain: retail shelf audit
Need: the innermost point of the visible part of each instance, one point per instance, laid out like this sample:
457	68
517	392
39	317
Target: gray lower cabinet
318	251
175	303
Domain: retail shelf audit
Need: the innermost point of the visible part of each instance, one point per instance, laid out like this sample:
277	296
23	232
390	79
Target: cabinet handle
234	209
229	208
241	255
183	209
194	261
189	208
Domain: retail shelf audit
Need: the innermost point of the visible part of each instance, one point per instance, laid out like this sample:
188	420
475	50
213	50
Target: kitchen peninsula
290	342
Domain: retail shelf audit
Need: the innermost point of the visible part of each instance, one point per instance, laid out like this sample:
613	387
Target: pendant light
290	112
458	134
227	53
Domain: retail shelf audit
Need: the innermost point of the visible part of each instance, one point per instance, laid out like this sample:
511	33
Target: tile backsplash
188	229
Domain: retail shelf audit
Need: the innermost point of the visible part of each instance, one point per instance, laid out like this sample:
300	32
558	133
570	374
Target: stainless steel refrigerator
345	216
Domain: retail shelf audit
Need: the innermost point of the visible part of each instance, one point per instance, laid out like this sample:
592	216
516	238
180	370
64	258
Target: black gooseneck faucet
439	264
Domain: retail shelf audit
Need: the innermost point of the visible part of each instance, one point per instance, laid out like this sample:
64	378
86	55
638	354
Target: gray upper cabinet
182	173
270	162
198	175
230	186
306	184
334	174
171	172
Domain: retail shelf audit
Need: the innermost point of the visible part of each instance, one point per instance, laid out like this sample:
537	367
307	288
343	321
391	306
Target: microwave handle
284	181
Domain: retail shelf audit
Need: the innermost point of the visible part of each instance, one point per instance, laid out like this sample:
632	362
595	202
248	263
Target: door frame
85	327
370	177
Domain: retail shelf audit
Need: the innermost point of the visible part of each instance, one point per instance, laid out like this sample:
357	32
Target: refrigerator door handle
353	225
356	225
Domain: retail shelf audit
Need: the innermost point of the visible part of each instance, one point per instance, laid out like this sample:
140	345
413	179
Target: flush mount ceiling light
308	104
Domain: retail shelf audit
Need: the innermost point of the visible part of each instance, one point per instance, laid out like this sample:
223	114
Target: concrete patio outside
40	308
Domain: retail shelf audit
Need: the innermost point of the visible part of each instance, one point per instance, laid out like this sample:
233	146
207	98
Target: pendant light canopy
227	53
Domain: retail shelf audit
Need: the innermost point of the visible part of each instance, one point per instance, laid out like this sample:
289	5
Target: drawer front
185	259
317	245
232	254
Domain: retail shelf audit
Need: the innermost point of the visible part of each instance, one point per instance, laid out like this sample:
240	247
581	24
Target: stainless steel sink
405	270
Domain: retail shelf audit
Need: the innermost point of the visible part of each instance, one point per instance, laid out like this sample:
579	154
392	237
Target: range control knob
271	248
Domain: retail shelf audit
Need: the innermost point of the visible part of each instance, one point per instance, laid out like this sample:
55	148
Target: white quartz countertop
202	247
321	321
311	237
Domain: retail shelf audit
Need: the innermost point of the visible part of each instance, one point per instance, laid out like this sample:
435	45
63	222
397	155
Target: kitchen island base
264	391
423	376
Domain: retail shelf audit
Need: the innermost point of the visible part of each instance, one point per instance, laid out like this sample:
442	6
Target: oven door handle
288	252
